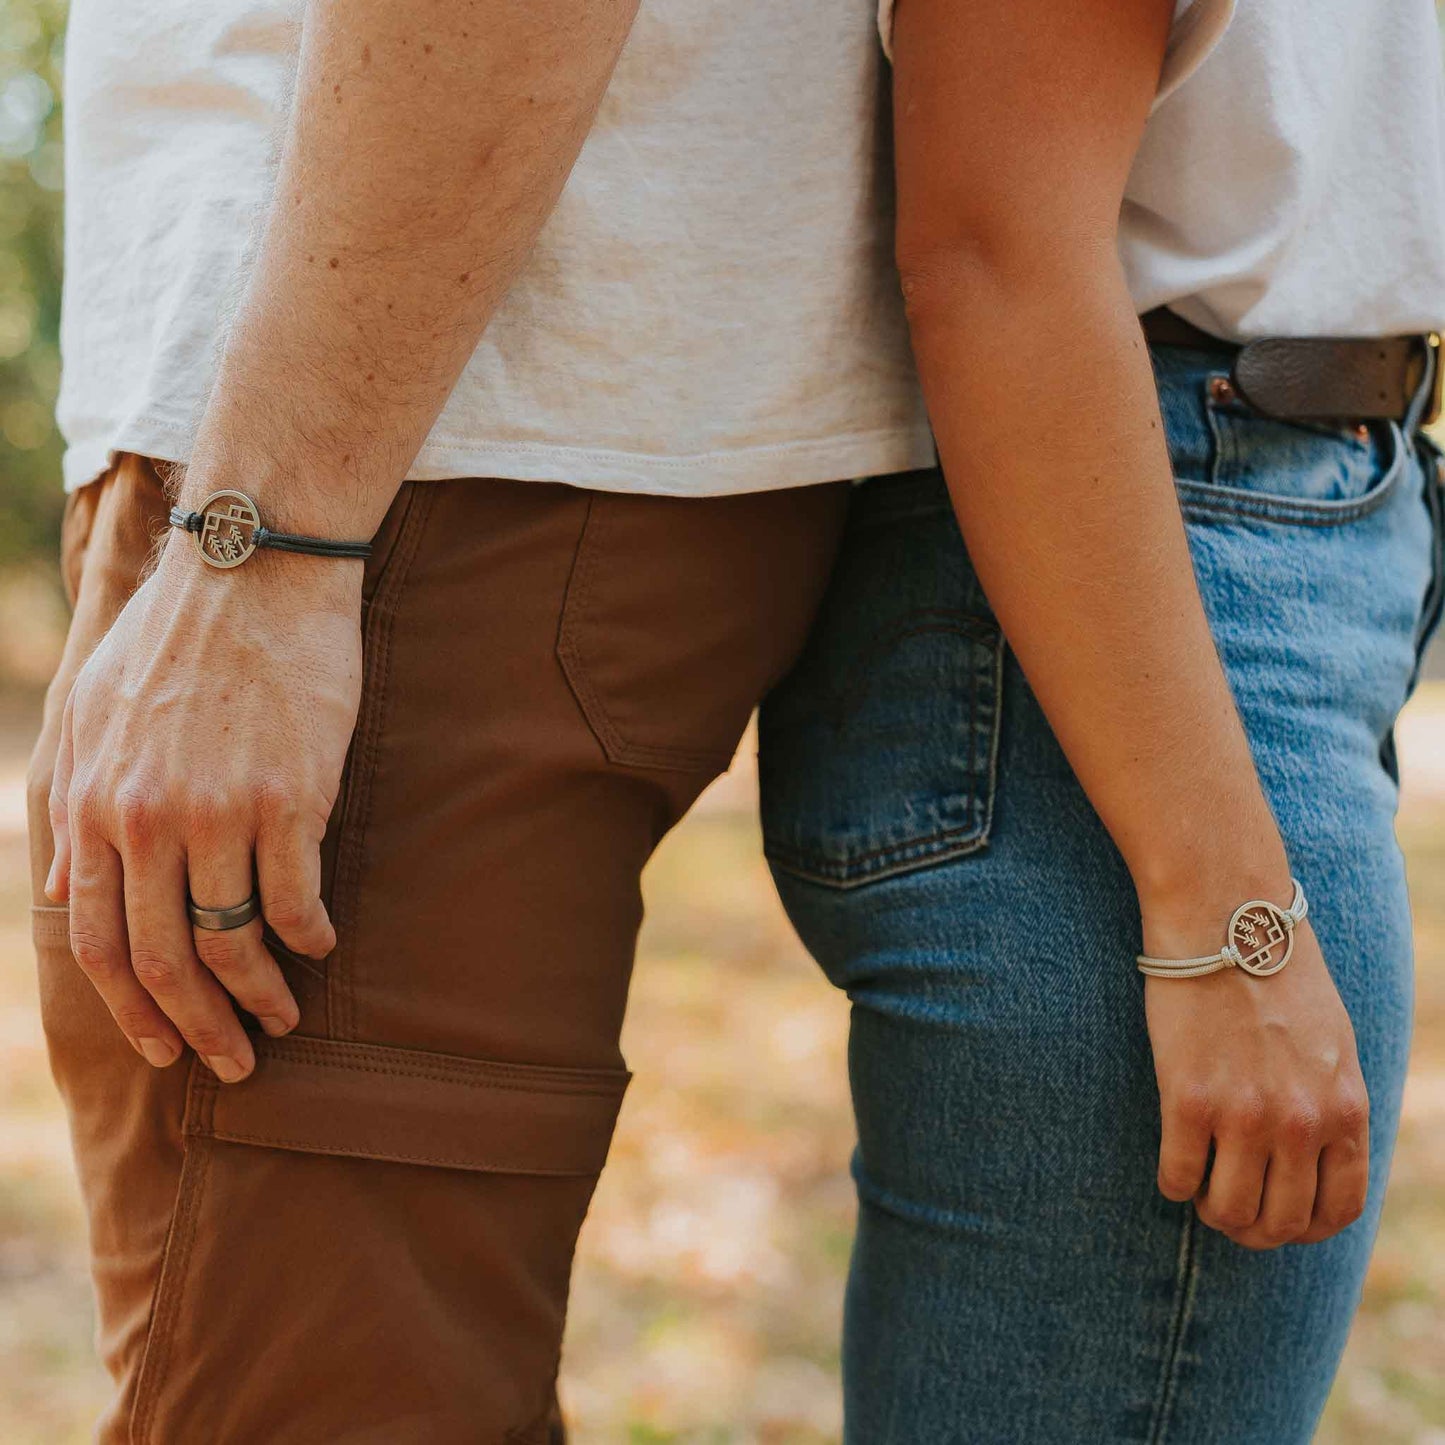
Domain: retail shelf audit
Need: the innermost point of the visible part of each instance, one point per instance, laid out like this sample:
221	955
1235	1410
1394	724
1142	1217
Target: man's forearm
427	145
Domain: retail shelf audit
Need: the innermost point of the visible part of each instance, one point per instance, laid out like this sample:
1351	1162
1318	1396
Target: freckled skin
422	176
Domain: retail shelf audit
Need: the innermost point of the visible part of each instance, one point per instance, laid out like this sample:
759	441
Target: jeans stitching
921	851
1223	457
845	699
1202	501
1432	465
845	877
1186	1282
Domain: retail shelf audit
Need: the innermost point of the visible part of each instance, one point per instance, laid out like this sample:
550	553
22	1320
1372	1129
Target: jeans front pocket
1263	469
878	752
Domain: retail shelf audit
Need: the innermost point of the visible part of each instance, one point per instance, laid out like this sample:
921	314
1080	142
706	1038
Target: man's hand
204	740
201	752
1265	1071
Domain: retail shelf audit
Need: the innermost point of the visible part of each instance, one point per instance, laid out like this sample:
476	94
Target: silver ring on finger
221	920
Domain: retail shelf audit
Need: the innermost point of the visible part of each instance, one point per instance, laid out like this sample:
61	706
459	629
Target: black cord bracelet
227	530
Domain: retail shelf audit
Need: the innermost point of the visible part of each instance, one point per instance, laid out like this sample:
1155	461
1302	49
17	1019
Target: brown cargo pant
370	1239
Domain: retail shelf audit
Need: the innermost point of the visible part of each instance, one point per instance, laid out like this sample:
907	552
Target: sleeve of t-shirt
1198	24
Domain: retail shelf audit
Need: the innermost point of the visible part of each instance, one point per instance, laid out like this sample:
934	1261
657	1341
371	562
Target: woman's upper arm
1016	122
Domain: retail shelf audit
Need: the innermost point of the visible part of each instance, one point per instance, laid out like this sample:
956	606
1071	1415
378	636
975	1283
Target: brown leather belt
1307	378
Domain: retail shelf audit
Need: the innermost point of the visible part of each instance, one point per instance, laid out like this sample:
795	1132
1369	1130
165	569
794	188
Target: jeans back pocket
877	753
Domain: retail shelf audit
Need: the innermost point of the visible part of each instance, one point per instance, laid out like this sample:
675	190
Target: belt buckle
1437	388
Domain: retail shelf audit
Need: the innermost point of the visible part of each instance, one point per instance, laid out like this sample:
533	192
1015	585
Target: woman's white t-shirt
1292	183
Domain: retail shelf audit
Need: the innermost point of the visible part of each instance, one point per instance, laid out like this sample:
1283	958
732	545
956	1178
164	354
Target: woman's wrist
1185	911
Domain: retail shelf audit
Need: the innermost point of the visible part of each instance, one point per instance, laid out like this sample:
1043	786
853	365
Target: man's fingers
1184	1145
163	954
57	882
1344	1183
98	941
288	871
221	876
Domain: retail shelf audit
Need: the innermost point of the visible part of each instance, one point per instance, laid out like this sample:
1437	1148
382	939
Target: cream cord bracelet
1260	941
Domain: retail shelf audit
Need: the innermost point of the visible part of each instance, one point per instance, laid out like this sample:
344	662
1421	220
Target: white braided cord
1228	956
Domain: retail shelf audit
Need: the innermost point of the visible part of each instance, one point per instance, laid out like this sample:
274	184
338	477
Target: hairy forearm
1044	405
426	146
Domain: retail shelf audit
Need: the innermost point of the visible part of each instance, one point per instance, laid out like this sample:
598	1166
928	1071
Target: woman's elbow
985	270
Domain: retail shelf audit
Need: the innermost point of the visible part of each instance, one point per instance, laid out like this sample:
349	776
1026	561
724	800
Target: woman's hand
1265	1071
201	752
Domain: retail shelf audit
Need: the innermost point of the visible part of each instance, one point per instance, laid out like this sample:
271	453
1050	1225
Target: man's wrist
280	582
306	477
298	499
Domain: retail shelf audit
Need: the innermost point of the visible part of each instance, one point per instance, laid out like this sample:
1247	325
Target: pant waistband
1305	378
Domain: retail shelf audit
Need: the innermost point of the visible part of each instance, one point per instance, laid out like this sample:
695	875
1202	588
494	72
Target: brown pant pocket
324	1097
682	611
371	1244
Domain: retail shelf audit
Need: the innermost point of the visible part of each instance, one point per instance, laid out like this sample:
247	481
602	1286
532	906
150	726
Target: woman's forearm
1043	401
1017	123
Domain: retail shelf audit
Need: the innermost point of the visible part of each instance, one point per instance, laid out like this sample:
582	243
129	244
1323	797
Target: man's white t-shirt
713	306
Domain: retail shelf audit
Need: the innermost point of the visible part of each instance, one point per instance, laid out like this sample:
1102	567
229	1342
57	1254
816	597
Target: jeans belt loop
1436	404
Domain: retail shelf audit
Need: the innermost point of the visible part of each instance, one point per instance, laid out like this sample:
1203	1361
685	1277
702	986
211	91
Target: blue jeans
1016	1276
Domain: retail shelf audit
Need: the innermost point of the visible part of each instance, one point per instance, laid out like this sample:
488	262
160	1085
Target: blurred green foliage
31	34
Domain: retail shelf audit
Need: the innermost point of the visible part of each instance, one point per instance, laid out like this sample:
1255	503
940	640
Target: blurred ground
707	1295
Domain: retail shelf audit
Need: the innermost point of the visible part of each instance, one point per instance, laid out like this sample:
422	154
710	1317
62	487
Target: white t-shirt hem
704	474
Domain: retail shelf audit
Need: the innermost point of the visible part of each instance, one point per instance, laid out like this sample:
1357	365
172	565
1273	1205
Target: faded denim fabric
1016	1276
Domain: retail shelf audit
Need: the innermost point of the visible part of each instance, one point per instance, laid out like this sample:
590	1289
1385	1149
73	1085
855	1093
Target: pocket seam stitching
355	818
318	1146
844	881
899	859
1219	500
578	595
545	1081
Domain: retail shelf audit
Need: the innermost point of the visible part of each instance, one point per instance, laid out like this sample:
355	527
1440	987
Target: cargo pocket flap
320	1096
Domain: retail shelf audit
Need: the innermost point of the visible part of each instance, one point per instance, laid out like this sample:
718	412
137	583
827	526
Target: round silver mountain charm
227	535
1262	936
